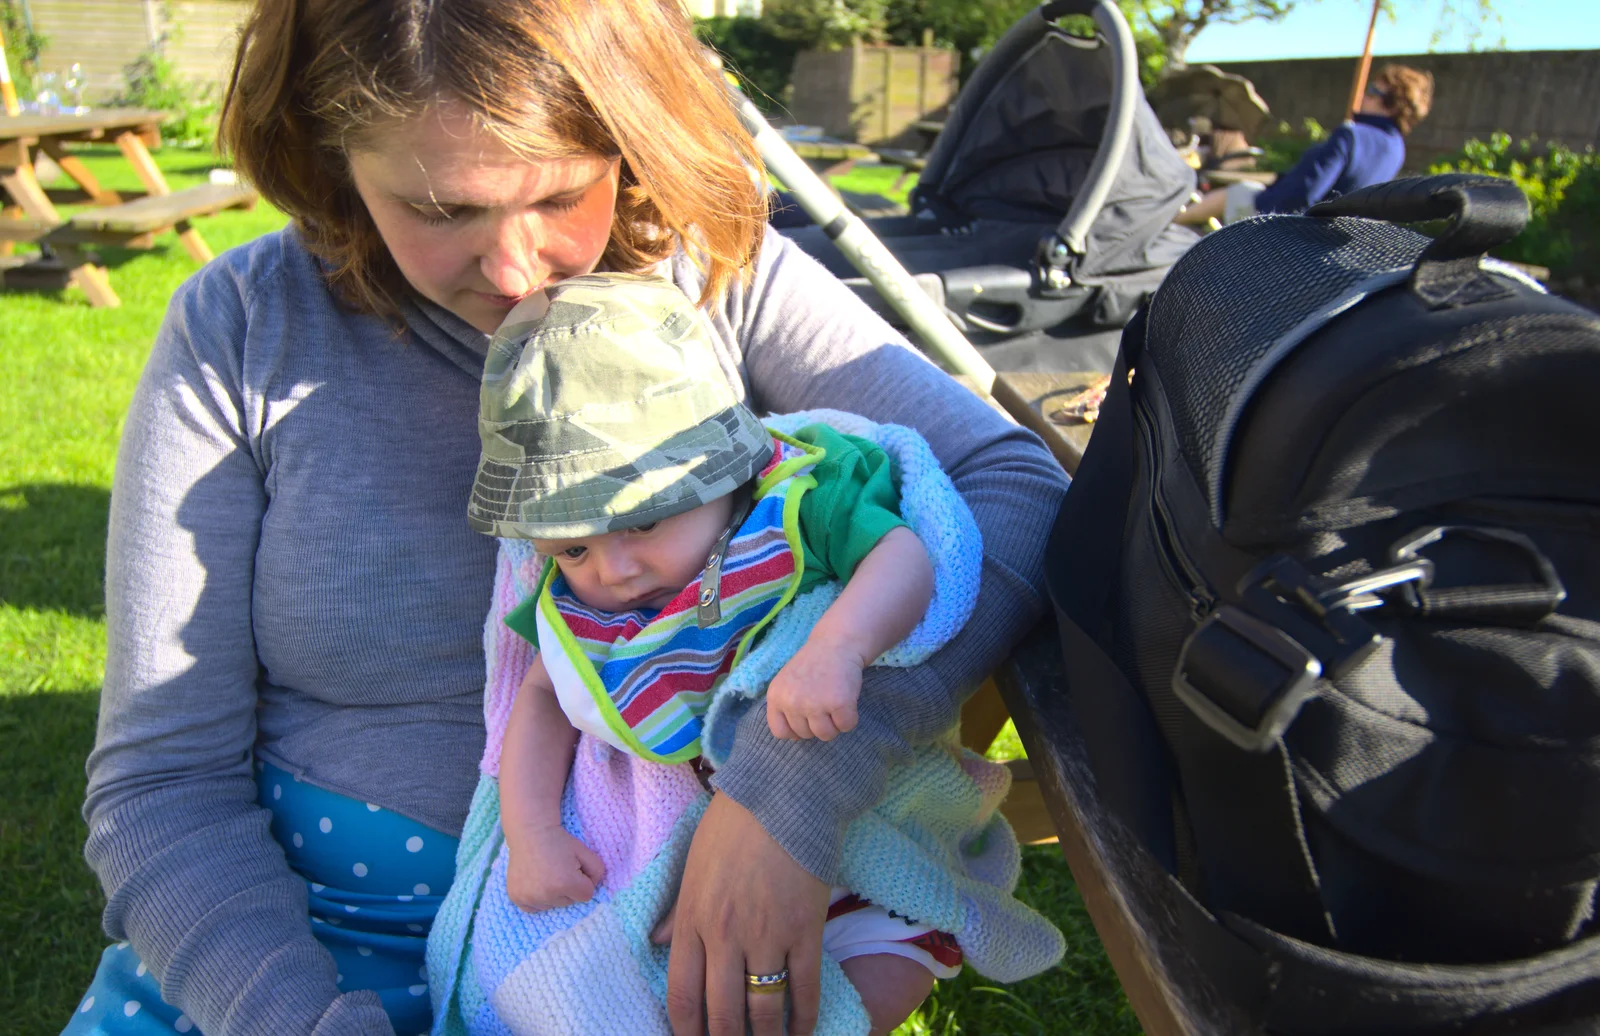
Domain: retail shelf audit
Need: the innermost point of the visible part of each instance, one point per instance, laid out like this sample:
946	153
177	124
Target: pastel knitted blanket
935	848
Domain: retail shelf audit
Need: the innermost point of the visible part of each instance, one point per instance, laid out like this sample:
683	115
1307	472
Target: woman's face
475	227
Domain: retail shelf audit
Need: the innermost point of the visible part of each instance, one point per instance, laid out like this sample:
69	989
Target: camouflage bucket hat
604	408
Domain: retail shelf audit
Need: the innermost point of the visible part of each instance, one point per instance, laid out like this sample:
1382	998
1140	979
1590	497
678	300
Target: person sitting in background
1368	149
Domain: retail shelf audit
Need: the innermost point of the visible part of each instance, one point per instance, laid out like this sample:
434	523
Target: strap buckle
1244	678
1527	602
1250	667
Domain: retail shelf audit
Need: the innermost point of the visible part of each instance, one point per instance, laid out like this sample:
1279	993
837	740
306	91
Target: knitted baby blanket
935	848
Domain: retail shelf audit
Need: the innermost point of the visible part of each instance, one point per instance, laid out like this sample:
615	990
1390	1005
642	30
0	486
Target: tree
972	28
959	24
826	24
22	46
1175	23
763	61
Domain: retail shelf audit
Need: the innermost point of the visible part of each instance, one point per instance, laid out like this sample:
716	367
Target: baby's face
644	567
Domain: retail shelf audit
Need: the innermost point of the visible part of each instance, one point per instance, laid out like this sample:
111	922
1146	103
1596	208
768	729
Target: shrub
1283	145
750	48
22	48
973	27
152	82
1563	189
825	24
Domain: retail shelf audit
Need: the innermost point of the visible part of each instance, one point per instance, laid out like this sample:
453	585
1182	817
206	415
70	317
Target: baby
676	527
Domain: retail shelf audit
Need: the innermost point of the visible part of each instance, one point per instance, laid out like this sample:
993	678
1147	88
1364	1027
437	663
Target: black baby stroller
1045	210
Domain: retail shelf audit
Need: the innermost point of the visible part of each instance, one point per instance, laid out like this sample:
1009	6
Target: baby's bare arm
814	695
548	867
535	756
884	600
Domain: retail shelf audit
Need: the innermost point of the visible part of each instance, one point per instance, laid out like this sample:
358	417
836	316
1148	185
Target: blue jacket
1367	150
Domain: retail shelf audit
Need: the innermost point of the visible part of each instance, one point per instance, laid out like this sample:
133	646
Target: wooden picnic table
1224	177
121	218
830	156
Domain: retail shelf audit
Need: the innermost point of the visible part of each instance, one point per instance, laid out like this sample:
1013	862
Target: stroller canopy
1021	138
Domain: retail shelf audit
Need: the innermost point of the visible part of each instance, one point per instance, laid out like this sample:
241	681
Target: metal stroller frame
1015	285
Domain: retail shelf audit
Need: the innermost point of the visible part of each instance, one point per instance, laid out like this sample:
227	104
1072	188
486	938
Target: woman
1368	149
292	711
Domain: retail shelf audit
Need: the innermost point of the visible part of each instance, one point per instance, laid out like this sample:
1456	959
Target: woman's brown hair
315	79
1408	94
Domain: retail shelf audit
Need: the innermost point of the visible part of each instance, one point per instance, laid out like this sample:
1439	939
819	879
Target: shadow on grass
50	938
111	256
53	547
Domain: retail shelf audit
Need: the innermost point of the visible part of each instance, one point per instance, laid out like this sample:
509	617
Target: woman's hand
745	907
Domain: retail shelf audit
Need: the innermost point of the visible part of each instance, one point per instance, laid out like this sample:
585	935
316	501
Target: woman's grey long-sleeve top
290	574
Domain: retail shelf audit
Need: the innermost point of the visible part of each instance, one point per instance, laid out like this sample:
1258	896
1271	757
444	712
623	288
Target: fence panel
1551	94
105	35
872	94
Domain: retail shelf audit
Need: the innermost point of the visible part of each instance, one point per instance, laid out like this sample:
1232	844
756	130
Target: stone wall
1554	94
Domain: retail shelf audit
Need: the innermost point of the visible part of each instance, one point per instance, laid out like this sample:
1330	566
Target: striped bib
643	682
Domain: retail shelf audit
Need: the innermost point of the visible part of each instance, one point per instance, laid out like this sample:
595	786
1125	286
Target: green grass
66	374
67	371
877	179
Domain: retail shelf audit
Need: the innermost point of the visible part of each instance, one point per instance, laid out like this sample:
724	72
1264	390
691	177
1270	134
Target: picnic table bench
830	156
132	223
128	219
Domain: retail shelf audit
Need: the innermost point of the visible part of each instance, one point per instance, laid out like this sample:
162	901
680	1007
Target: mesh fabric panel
1241	299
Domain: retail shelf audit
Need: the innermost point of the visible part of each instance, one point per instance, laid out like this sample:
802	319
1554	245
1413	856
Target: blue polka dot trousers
375	880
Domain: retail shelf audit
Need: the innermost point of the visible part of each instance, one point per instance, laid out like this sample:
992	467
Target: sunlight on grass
1007	745
67	372
877	179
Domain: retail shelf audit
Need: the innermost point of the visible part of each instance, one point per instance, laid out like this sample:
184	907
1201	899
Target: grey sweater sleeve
809	342
192	876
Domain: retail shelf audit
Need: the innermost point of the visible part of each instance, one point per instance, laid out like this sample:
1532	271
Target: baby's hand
550	868
815	694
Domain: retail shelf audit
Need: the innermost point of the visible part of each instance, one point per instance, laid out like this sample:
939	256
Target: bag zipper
1180	569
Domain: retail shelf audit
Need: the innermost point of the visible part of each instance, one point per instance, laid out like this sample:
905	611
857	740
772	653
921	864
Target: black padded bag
1328	583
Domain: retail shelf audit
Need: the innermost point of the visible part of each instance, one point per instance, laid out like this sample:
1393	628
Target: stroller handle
1071	234
1125	94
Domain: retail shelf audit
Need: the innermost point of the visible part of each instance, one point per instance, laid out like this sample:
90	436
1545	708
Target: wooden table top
1224	177
828	147
1028	397
95	123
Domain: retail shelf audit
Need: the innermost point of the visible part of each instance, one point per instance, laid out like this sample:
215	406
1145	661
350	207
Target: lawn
67	372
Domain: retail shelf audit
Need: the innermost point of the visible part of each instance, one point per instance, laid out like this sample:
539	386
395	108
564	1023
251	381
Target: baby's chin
660	600
650	602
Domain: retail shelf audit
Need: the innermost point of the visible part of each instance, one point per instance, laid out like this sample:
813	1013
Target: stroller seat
1024	155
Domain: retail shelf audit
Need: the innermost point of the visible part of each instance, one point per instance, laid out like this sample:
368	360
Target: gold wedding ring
774	983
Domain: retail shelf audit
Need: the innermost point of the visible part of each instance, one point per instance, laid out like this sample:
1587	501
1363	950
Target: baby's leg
890	986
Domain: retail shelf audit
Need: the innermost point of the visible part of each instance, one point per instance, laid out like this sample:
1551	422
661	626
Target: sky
1337	28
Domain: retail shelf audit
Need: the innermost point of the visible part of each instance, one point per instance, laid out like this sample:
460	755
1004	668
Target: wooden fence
105	35
1551	94
872	94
